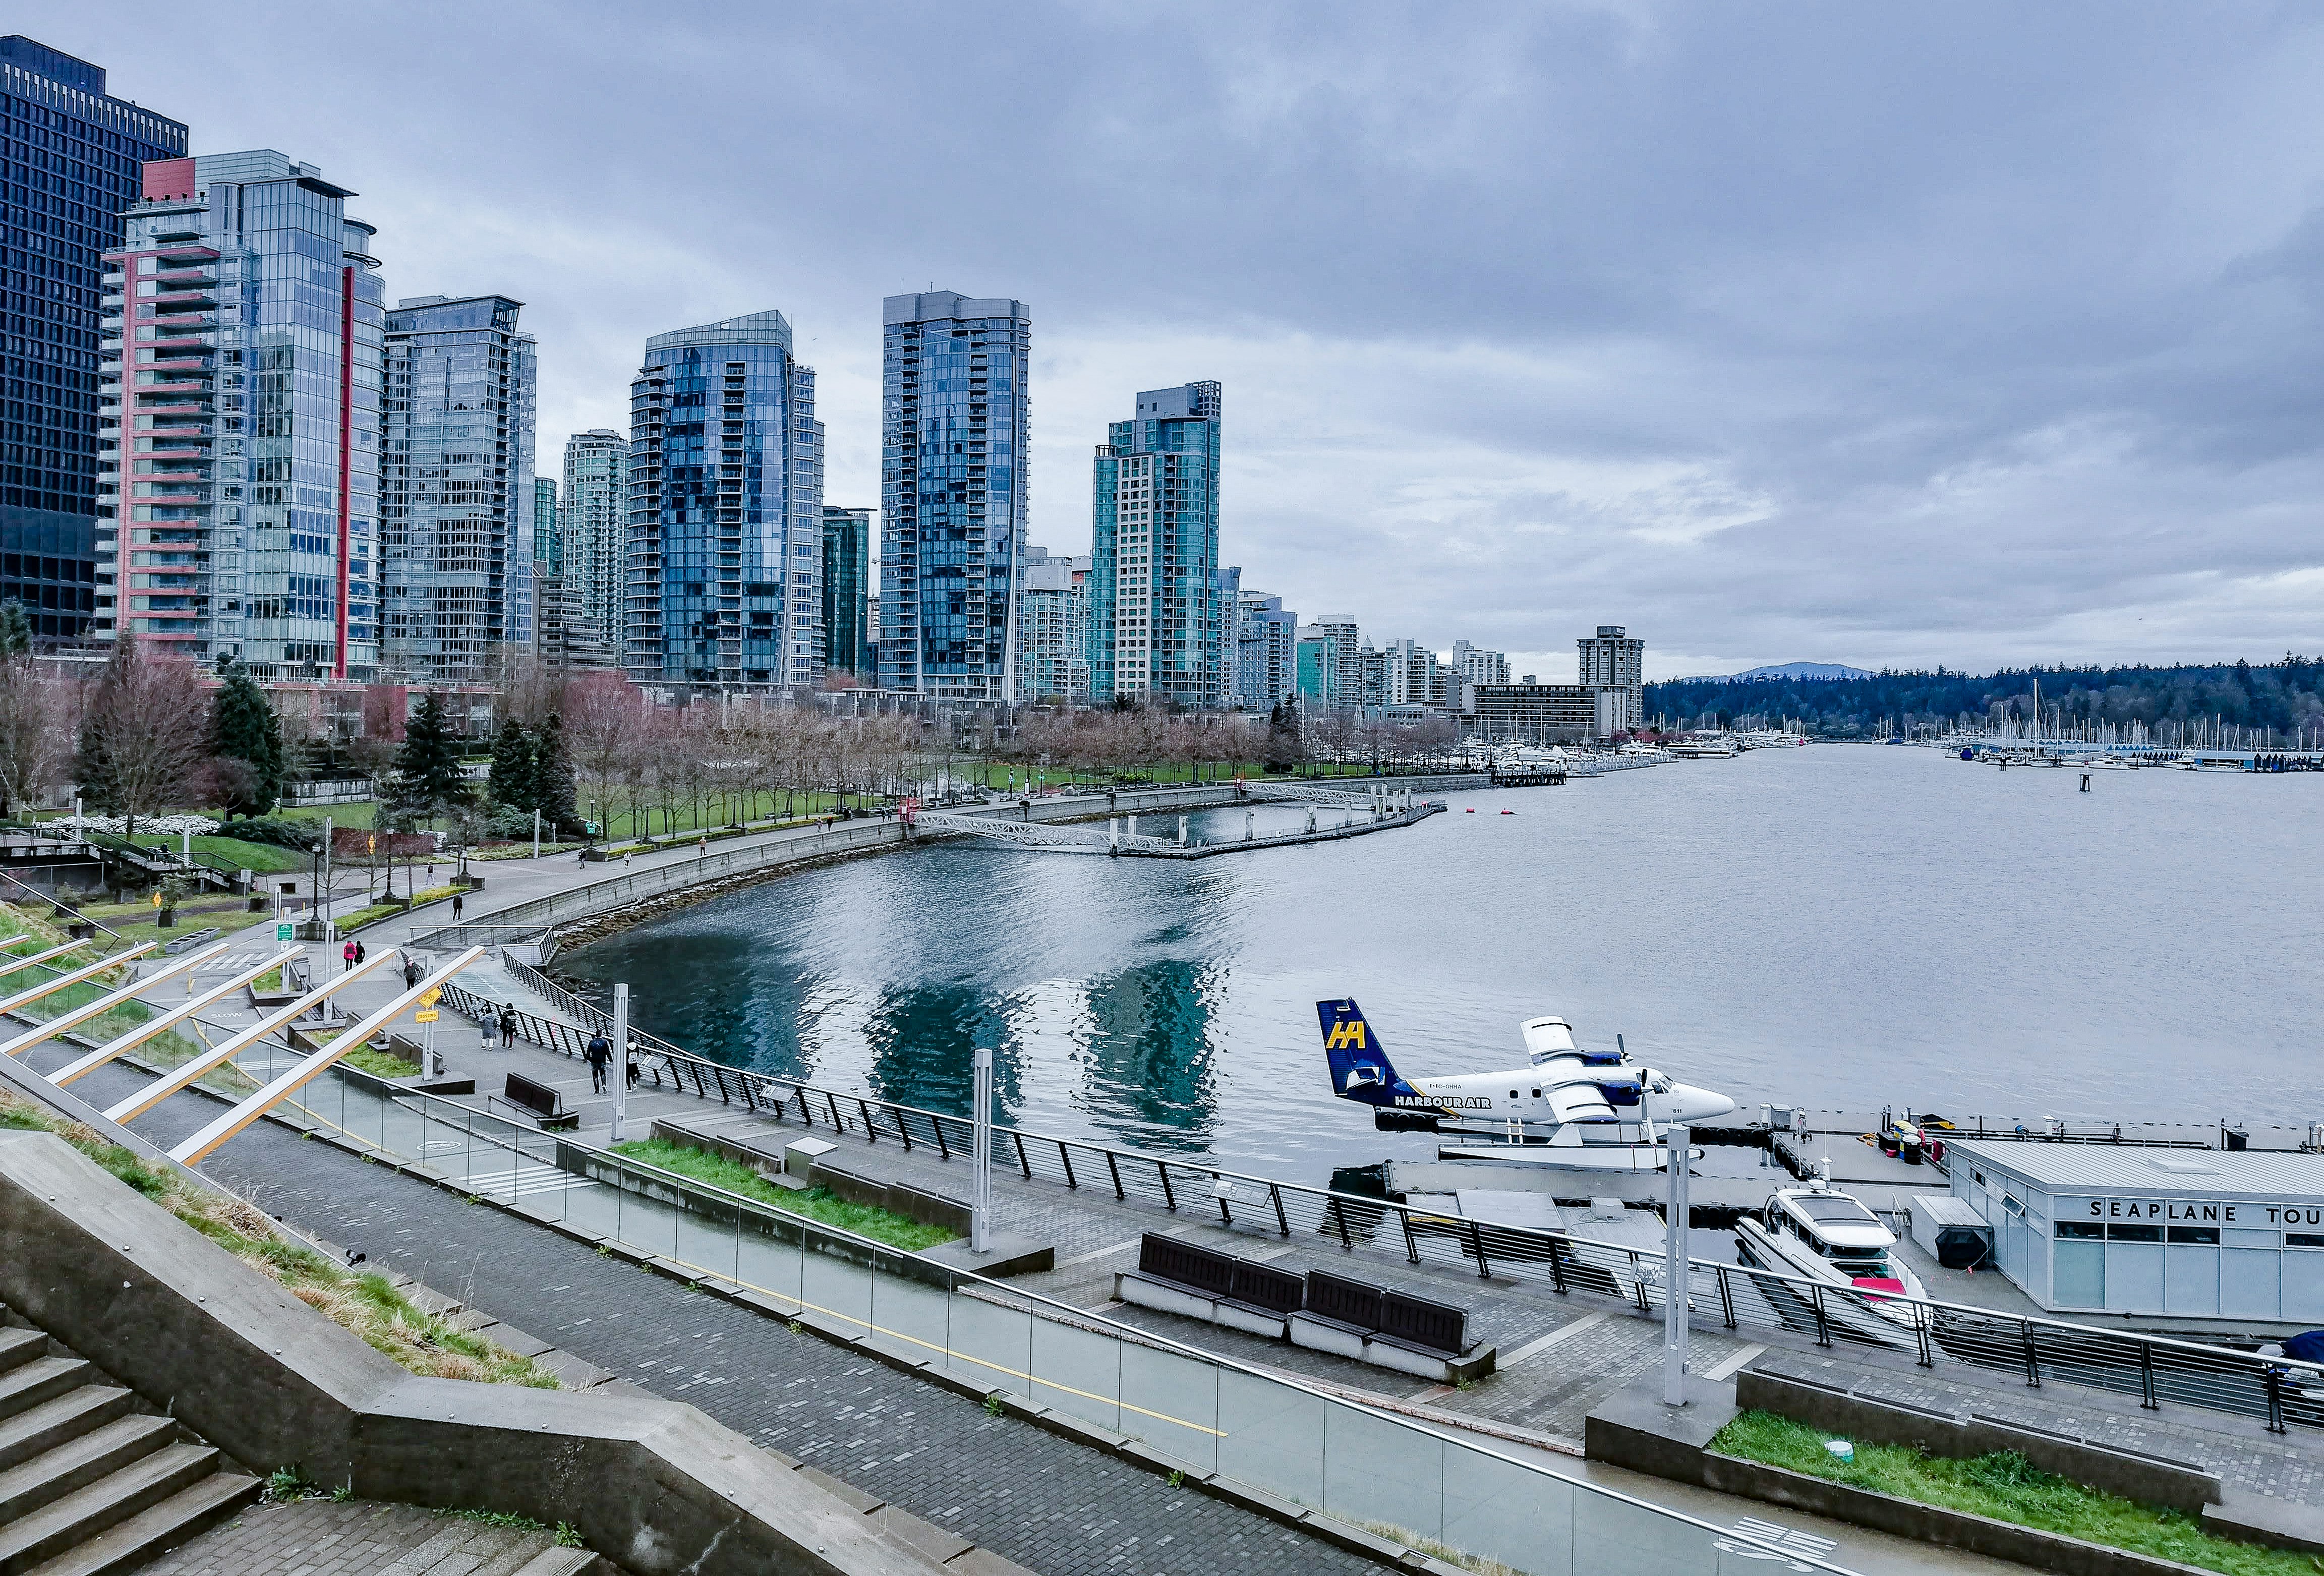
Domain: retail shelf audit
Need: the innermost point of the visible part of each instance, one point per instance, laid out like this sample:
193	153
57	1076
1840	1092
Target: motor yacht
1821	1233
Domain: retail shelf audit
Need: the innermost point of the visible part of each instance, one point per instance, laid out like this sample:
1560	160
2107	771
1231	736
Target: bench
543	1103
1323	1311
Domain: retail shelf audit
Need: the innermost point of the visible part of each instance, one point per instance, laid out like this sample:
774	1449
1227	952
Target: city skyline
1633	416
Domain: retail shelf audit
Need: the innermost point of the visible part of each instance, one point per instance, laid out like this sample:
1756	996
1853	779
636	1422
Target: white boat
1719	746
1819	1233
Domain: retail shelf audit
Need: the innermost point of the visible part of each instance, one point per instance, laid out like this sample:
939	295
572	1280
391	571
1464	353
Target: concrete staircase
89	1481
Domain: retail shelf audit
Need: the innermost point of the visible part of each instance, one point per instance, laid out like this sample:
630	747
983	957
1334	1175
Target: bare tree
142	733
37	722
603	721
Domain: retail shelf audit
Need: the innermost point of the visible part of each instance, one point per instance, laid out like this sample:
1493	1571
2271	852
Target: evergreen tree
515	782
552	776
243	727
16	629
428	767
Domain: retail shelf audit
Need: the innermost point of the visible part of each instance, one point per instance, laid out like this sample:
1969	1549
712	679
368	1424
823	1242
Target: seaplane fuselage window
1536	1094
1513	1094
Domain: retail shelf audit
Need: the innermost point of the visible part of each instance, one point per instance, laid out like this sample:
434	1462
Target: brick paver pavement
356	1537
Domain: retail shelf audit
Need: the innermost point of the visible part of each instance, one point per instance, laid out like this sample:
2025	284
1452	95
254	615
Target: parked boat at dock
1824	1234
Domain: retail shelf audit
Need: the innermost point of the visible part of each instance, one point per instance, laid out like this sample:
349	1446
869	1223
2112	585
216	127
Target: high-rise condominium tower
953	497
1156	626
725	578
73	156
455	505
247	470
847	591
595	524
1267	651
1053	628
1613	660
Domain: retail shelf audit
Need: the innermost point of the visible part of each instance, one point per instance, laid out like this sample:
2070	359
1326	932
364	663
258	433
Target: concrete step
561	1562
77	1462
51	1422
156	1530
19	1347
43	1378
85	1513
502	1553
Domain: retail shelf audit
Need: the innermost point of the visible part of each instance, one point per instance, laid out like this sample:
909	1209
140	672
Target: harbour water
1832	927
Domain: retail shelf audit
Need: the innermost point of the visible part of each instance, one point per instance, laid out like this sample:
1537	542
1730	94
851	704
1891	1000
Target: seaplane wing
1581	1101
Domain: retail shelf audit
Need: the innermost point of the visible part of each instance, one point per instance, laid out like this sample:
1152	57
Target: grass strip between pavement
2006	1487
816	1203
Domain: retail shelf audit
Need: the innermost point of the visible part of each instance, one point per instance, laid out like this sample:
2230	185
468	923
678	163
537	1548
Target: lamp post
620	1060
1674	1321
980	1226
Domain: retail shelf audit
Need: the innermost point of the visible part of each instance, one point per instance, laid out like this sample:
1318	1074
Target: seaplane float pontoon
1584	1109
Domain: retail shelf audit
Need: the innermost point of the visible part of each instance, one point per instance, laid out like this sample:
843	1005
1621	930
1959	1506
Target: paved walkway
1042	1501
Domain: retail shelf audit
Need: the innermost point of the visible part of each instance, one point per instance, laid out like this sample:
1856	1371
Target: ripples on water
1836	927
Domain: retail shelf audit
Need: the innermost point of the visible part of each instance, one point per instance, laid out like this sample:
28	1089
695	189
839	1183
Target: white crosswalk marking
233	962
530	1179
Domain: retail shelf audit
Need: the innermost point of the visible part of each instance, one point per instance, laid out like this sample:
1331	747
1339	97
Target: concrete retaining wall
2148	1478
654	1485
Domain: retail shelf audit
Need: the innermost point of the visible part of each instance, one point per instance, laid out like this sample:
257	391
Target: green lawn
2006	1487
818	1203
166	1049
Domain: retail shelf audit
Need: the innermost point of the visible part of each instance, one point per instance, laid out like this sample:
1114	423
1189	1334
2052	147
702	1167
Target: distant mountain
1789	670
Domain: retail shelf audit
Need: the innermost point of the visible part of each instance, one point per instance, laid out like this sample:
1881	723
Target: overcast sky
1879	335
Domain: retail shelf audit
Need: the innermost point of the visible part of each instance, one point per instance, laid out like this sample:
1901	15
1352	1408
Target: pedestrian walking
508	1024
459	901
411	971
359	952
629	858
631	1059
347	953
599	1056
486	1027
706	846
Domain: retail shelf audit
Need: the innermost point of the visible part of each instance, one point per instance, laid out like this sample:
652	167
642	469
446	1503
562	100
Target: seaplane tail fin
1361	1069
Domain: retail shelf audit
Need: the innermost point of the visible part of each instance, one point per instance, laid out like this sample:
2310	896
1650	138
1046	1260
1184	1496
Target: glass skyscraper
457	505
238	510
70	167
725	574
847	591
1157	628
595	526
953	493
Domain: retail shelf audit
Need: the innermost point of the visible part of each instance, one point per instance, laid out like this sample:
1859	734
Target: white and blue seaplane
1587	1110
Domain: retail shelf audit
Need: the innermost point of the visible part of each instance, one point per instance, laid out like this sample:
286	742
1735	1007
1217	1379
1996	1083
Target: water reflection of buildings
923	1040
1149	1078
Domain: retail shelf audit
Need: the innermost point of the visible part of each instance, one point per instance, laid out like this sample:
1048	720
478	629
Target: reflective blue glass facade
457	506
725	574
953	493
70	157
238	510
1159	599
595	524
847	591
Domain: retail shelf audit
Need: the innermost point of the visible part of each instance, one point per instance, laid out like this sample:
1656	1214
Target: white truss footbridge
1033	834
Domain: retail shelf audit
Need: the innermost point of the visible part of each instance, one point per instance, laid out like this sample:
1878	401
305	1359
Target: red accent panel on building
346	453
169	180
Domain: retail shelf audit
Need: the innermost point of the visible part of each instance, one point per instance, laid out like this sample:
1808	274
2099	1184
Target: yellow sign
429	1016
430	996
1350	1033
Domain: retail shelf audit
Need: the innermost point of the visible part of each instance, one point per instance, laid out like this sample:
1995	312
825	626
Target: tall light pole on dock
620	1060
980	1223
1674	1321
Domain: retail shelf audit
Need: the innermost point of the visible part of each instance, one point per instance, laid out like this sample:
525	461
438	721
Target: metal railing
1215	1414
2155	1368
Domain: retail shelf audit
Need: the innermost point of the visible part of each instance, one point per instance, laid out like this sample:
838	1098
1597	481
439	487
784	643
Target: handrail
1049	1308
1558	1258
79	917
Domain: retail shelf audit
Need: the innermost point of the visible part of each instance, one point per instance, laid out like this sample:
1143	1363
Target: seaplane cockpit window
1660	1086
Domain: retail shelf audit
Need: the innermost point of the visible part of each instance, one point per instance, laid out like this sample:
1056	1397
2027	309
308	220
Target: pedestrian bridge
1376	810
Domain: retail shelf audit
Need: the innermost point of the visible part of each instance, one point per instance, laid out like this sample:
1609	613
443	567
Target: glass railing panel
1499	1510
836	1281
911	1307
1381	1473
404	1130
707	1236
1611	1534
1172	1402
1271	1435
1077	1371
990	1342
767	1256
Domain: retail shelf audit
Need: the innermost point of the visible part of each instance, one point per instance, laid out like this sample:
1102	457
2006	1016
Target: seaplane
1585	1110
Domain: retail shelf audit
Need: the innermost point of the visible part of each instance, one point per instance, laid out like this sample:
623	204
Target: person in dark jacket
599	1056
508	1026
